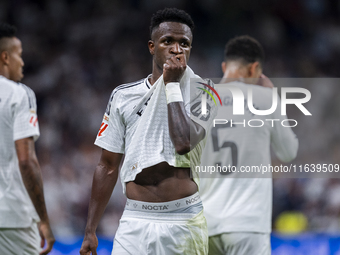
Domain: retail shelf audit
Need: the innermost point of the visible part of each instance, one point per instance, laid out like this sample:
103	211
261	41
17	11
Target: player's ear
4	57
254	70
224	66
151	46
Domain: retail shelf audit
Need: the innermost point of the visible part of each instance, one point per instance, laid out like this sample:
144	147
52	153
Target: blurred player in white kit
238	210
23	211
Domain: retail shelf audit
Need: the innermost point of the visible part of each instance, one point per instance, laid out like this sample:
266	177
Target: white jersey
18	120
119	124
121	120
243	204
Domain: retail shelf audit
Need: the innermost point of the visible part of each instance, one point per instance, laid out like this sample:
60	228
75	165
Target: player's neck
236	71
233	72
4	72
156	73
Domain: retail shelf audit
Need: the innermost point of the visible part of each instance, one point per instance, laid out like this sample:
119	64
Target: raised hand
173	68
264	81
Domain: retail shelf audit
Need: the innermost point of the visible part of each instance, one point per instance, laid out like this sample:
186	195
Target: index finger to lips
172	62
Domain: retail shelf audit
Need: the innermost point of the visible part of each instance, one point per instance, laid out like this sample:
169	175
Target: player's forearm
179	127
31	176
184	133
104	181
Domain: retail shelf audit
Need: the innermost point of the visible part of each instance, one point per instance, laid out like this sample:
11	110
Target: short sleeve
25	114
111	134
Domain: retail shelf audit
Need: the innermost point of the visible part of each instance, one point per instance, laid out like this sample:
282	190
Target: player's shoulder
256	89
9	85
262	94
262	97
16	89
28	91
128	88
25	88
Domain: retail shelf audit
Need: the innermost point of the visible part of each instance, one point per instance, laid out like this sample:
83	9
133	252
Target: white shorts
171	228
23	241
240	243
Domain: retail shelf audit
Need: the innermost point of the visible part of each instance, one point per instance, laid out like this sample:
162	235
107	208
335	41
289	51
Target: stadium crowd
76	52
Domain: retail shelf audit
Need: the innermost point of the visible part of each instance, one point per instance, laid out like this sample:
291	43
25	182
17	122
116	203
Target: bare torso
161	183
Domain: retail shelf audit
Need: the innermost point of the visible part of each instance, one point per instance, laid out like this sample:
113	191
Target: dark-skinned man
163	214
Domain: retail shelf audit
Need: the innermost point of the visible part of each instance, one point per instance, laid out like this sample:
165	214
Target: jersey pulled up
121	120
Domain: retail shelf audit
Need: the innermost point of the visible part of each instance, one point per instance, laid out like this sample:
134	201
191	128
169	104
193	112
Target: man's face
15	62
170	39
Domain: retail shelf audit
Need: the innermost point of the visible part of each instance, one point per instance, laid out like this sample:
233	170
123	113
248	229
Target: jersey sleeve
25	114
111	134
194	109
283	140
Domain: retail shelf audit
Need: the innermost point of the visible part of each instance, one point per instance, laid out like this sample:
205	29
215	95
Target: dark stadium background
77	51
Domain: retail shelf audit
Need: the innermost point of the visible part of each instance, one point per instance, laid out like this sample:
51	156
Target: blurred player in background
238	210
22	206
163	214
